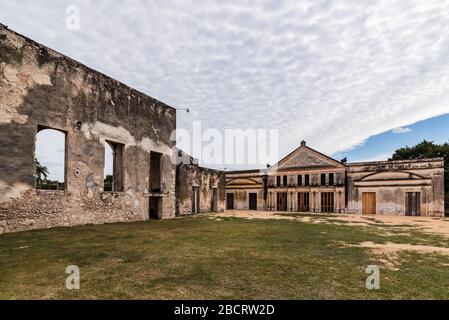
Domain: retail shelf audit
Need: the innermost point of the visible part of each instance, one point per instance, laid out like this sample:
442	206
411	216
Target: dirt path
388	253
432	225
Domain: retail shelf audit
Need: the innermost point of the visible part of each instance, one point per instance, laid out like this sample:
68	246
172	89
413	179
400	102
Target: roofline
395	161
313	150
2	26
246	171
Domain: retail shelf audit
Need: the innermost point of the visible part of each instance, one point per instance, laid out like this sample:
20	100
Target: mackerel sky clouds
333	73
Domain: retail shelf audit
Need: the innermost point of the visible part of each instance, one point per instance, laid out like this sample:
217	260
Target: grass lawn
208	258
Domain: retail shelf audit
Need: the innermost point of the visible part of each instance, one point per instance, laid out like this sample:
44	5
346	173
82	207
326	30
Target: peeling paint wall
40	87
242	184
391	180
191	175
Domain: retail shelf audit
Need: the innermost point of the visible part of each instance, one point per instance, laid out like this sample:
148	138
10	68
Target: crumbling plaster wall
242	196
192	175
390	180
40	87
242	183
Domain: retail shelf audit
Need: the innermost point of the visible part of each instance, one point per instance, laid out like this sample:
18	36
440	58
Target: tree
108	183
41	172
427	149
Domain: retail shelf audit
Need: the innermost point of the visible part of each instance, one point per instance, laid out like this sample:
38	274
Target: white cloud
400	130
331	72
378	157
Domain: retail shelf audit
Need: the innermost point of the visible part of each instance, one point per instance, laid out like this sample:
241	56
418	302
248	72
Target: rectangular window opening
331	179
323	179
114	168
155	172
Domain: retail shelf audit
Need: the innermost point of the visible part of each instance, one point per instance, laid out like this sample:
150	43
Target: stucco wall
391	180
192	175
242	183
40	87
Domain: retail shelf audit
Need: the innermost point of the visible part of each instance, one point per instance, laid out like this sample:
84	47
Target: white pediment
305	157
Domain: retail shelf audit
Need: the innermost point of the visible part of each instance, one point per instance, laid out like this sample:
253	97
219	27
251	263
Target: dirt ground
435	225
388	252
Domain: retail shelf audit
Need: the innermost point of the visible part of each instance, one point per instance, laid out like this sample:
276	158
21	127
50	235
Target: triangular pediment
306	158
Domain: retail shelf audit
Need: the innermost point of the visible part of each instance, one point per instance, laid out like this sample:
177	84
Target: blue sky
381	146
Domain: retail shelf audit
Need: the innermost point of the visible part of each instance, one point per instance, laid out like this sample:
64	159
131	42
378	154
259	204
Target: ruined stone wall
391	180
192	175
40	87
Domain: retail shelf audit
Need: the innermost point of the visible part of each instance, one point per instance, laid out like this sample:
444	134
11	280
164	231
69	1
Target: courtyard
233	255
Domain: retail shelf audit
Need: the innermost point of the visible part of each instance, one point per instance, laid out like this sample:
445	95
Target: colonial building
309	181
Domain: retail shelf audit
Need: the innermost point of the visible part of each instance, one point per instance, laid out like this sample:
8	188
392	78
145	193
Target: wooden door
303	202
230	201
369	203
327	202
412	203
253	201
282	201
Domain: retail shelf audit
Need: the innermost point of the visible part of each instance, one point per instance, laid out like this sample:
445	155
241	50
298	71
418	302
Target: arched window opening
49	159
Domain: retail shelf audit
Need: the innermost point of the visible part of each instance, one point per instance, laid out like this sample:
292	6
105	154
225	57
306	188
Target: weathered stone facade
309	181
198	189
390	181
40	88
241	184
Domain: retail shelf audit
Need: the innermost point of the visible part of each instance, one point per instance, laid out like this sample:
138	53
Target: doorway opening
214	206
412	203
327	202
368	203
230	201
155	207
253	201
281	201
303	202
196	200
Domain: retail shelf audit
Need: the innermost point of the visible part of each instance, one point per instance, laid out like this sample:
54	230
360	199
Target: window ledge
50	192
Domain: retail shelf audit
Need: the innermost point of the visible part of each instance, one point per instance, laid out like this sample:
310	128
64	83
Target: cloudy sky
334	73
